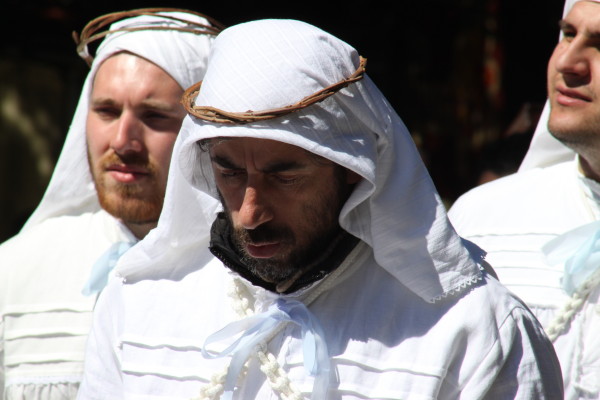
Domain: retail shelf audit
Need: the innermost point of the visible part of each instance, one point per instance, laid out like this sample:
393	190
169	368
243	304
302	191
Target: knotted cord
213	114
563	318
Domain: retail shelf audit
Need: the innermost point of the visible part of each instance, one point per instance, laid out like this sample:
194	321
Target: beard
136	203
312	236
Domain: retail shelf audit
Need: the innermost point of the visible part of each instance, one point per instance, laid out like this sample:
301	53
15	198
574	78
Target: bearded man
106	193
336	272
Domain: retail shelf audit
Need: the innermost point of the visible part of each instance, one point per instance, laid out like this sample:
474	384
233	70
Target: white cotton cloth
384	341
182	55
544	149
44	317
366	136
513	218
408	314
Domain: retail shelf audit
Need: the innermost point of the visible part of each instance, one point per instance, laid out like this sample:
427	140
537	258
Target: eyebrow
275	167
148	104
564	25
223	162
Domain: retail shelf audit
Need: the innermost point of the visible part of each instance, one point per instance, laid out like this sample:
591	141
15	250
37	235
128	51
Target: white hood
544	149
395	208
182	55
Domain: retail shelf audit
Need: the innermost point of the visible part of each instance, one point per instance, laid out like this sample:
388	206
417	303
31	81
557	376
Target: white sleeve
102	377
522	365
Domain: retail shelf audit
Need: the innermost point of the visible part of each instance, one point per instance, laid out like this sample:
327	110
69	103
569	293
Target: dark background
457	71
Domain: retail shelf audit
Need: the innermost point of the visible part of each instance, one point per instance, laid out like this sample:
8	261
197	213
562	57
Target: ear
352	177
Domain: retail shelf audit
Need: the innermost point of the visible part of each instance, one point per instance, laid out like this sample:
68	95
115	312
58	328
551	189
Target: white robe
512	218
385	342
44	318
408	315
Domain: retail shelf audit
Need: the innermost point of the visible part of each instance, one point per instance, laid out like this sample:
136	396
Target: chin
132	210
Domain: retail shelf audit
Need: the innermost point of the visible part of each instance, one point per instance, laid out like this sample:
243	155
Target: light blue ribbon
257	328
579	251
102	267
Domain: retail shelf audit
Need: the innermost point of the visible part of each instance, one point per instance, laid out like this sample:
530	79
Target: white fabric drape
544	149
384	337
182	55
44	318
395	208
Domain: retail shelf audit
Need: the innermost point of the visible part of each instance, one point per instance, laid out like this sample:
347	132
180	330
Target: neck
140	230
590	170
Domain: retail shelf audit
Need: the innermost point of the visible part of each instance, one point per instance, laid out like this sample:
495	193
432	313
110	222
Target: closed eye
161	121
286	179
106	112
228	173
567	29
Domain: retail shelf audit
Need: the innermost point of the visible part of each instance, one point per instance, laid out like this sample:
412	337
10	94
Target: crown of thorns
90	32
213	114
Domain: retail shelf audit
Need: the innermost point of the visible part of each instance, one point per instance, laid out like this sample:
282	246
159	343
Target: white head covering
544	149
182	55
395	208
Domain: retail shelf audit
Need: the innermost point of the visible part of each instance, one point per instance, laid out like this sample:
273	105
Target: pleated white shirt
44	318
512	218
385	342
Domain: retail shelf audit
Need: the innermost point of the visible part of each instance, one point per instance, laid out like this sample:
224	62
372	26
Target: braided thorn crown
90	32
213	114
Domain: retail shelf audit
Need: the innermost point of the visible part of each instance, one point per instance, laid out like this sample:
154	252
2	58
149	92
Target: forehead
126	68
585	13
259	150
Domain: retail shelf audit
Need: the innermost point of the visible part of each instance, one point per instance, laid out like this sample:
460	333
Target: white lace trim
461	286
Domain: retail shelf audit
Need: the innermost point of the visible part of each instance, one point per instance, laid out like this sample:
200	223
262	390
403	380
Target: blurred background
466	76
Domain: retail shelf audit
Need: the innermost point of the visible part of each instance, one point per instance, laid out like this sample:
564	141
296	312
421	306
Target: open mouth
263	250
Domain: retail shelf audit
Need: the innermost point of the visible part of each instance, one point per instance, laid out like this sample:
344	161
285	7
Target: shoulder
503	189
495	300
53	233
500	321
511	200
53	229
58	251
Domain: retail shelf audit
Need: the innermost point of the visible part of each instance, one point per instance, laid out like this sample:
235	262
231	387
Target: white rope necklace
562	319
561	322
243	304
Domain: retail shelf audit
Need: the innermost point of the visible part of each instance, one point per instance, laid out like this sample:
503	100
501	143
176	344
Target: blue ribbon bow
257	328
102	267
579	251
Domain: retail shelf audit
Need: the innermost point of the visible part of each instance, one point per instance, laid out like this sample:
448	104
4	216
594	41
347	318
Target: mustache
130	158
264	233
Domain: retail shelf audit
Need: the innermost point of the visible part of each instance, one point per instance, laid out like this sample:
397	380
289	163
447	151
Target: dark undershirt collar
223	248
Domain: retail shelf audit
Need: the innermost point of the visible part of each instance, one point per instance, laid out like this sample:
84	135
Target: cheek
98	136
96	143
231	197
552	71
160	149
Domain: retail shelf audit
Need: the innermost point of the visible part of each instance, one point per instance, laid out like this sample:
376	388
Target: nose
255	209
573	60
128	134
